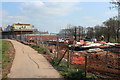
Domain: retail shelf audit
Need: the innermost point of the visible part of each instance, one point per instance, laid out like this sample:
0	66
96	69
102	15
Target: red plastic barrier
78	60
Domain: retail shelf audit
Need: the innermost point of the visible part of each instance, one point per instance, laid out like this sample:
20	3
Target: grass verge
7	57
71	73
40	49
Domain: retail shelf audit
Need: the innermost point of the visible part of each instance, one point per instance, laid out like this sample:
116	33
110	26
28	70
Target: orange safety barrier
78	60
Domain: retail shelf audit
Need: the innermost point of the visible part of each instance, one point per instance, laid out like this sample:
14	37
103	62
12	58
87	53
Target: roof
21	24
40	34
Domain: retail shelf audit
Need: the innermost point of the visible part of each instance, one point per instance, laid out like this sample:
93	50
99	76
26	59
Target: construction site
96	57
103	61
73	52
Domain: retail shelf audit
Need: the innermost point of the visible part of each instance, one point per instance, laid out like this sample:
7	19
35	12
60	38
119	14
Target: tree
73	32
90	32
117	6
112	29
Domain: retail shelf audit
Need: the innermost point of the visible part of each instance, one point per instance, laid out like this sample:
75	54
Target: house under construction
11	31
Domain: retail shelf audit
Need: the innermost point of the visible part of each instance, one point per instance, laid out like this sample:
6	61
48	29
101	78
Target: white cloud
8	20
42	14
13	19
78	0
111	13
92	21
50	9
17	17
47	14
2	15
56	0
35	4
52	25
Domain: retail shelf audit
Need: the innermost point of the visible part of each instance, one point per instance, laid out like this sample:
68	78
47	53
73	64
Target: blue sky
53	16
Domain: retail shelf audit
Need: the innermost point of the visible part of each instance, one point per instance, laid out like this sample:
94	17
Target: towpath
28	63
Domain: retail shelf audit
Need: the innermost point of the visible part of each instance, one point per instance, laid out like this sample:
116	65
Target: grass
40	49
5	57
0	56
0	50
71	73
7	54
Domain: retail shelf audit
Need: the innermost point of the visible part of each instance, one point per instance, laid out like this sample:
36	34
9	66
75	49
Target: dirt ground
102	65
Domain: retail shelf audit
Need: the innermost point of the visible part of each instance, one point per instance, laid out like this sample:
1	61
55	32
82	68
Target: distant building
11	31
19	26
2	28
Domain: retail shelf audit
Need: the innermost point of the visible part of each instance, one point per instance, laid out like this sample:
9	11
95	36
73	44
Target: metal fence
102	62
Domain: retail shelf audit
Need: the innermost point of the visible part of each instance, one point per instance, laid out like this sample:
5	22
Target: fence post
85	65
62	57
106	56
68	65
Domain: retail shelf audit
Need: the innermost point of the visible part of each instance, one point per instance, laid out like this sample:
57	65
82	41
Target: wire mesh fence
97	60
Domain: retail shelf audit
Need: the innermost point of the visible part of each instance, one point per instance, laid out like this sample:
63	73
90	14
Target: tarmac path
28	63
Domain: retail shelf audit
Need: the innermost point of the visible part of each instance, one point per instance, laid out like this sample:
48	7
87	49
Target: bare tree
117	6
90	32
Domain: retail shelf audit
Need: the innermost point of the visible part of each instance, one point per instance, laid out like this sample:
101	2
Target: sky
54	15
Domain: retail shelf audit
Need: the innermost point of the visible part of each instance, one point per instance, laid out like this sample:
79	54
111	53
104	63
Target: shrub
70	73
40	49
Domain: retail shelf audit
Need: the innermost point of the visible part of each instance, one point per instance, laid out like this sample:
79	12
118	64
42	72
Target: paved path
29	64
